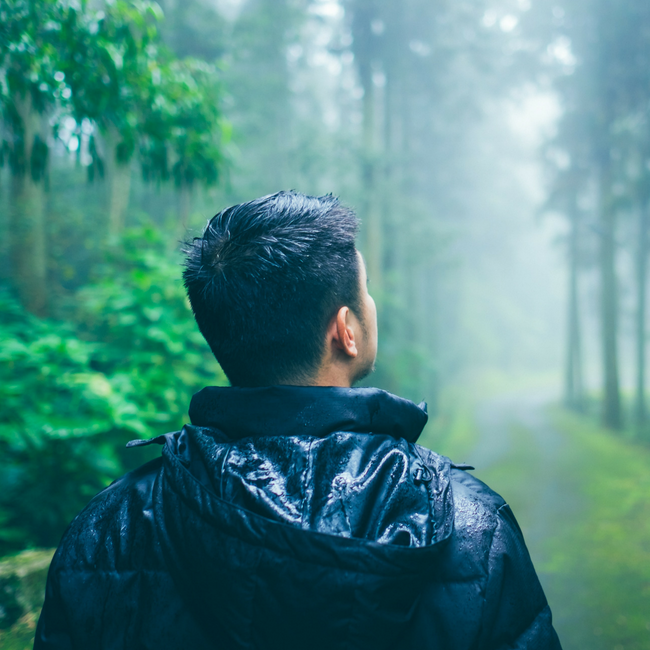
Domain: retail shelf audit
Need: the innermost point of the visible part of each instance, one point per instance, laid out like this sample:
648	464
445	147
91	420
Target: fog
497	153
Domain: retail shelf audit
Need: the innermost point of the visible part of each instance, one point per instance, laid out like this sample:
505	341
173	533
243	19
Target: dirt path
521	455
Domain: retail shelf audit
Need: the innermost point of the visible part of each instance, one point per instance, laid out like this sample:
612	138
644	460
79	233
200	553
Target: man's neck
332	375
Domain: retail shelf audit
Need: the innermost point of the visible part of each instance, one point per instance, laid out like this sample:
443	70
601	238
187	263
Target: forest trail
521	455
515	429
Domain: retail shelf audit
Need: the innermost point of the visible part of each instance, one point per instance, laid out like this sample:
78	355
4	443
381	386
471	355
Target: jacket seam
223	469
307	482
532	622
253	602
482	627
59	597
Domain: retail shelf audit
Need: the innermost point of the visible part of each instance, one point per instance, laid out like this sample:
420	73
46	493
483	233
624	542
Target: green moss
608	548
21	635
22	589
585	511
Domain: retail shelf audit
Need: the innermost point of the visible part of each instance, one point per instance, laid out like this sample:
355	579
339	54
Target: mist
497	153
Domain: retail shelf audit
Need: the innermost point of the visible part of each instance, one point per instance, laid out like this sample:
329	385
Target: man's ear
342	332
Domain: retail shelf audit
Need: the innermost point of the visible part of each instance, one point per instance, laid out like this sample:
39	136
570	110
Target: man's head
278	290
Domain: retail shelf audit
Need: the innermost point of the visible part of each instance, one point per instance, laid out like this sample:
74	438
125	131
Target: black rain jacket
295	517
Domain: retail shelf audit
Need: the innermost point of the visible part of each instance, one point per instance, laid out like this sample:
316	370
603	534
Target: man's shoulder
474	501
479	517
116	522
471	494
479	513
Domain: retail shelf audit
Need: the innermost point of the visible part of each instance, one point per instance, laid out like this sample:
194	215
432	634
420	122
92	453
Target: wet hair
266	278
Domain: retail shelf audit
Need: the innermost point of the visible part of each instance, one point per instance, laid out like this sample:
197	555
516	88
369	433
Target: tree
144	102
367	29
605	94
30	40
184	133
641	295
565	199
262	100
111	64
424	69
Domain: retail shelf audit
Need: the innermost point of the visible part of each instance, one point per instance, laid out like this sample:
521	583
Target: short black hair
266	278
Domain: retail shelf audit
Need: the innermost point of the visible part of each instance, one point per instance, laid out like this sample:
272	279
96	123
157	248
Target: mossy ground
582	497
607	548
22	588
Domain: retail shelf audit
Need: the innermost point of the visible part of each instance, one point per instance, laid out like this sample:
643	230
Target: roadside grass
593	554
609	547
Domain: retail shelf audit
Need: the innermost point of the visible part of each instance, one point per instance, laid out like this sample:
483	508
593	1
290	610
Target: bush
123	365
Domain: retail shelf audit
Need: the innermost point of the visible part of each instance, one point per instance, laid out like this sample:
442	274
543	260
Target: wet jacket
295	517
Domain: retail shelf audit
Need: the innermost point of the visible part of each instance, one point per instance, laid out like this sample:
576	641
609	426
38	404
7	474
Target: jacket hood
302	516
306	410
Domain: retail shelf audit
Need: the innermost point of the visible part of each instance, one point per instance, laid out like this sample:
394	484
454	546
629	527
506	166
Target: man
294	511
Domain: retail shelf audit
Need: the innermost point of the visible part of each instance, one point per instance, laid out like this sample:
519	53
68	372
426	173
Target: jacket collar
306	410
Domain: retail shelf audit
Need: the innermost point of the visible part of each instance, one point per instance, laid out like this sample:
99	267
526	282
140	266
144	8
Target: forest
497	153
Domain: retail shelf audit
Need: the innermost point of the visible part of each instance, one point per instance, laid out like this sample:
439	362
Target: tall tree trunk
641	281
364	12
574	386
28	249
5	233
28	257
184	205
371	211
118	178
612	416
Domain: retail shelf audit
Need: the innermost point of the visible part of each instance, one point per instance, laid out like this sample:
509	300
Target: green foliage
184	131
53	403
30	77
140	96
108	67
110	60
10	609
452	431
72	395
29	49
151	347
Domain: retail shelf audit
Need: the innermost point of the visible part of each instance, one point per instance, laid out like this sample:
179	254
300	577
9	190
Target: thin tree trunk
184	205
120	190
5	233
28	249
430	329
364	12
641	276
573	387
118	178
371	212
28	257
612	416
